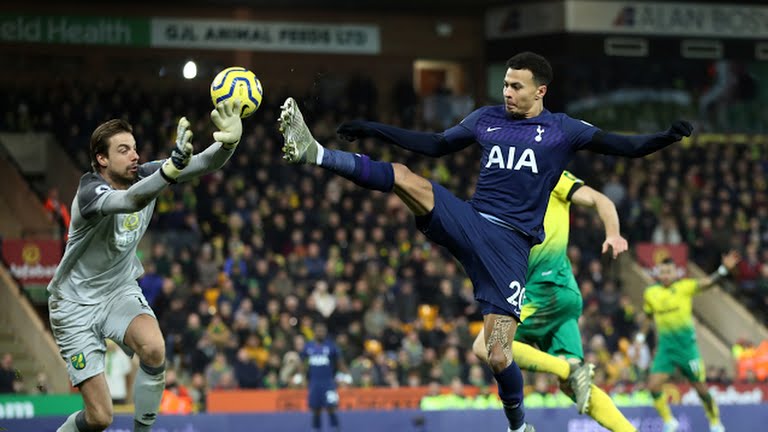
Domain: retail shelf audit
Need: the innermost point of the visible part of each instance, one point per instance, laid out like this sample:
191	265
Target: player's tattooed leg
500	335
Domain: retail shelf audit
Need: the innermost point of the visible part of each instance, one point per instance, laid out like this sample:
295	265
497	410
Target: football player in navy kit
322	362
525	148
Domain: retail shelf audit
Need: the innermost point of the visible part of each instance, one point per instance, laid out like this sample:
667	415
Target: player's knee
401	171
152	353
99	418
654	387
702	391
479	349
497	360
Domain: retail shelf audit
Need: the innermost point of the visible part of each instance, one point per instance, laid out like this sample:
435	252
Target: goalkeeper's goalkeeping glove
226	117
181	154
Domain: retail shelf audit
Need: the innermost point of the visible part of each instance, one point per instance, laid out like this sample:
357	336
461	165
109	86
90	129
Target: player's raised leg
302	148
655	383
97	414
145	339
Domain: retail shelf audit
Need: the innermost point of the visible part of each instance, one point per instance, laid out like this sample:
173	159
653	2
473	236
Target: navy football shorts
322	396
494	257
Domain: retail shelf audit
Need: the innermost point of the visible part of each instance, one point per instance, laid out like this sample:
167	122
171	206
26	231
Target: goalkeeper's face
123	160
523	98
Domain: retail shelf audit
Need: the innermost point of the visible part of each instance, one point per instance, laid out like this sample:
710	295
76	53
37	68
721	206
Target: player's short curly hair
102	134
538	65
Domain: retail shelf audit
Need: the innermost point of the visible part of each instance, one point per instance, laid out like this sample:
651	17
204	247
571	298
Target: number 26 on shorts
518	294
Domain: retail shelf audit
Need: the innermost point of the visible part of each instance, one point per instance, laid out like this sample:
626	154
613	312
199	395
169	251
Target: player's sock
358	168
510	382
69	425
316	421
334	420
76	423
147	392
711	409
660	402
531	359
604	411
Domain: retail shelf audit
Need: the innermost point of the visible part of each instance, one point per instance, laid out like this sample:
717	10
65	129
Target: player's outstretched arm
587	197
730	260
135	198
636	146
426	143
226	117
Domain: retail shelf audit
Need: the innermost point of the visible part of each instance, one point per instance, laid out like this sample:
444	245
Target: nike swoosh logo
491	129
546	273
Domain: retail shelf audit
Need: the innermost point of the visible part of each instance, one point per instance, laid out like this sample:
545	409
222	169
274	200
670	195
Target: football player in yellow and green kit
670	302
553	304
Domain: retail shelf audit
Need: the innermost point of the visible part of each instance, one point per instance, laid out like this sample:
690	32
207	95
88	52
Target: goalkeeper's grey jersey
100	256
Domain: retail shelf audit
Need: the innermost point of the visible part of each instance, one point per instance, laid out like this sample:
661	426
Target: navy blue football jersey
522	160
321	359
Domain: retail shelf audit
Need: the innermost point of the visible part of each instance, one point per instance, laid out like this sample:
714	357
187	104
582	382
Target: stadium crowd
242	263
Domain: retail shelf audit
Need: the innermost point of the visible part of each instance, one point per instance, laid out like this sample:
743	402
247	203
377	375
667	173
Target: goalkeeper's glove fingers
680	129
181	154
226	117
353	129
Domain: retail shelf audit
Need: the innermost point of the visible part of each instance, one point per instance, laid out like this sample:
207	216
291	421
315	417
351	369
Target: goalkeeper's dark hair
538	65
100	138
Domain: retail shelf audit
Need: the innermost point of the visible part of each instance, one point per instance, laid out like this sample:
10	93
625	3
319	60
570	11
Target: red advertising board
650	254
379	398
32	262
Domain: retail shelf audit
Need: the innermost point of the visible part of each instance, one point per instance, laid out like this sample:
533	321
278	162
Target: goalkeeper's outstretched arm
136	197
226	117
209	160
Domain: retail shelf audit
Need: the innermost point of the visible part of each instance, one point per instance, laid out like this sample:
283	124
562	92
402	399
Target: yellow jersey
549	270
672	310
549	260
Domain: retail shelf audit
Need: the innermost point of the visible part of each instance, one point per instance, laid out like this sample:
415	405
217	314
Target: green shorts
687	359
551	319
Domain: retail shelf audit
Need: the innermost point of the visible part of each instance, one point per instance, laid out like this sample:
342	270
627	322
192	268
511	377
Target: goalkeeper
94	294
